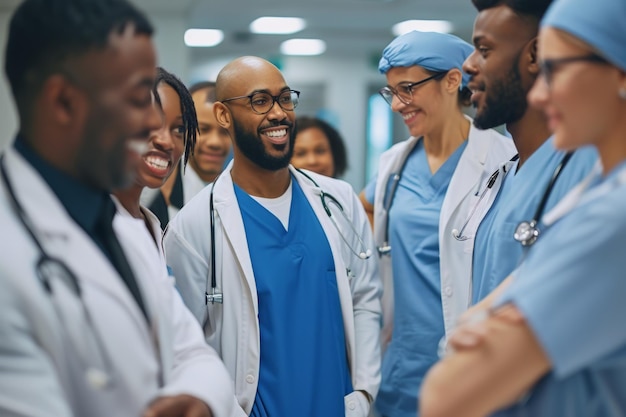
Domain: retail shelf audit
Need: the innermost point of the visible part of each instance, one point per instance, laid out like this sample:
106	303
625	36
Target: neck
442	142
529	133
207	177
129	198
612	149
260	182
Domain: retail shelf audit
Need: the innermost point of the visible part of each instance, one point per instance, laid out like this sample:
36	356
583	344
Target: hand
472	328
178	406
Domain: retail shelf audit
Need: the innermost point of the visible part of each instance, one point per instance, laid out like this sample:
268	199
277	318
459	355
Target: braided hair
190	120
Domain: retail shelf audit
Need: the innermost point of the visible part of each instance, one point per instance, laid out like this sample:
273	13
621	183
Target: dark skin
507	42
81	122
242	77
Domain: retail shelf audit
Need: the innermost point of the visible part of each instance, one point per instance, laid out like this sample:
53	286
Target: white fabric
232	328
42	372
486	151
279	207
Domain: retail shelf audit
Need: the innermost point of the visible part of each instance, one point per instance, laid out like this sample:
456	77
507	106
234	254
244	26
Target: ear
453	80
65	103
222	115
532	56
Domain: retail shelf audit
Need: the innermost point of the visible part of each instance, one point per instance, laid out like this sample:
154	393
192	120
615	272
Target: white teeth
137	145
276	133
157	162
407	116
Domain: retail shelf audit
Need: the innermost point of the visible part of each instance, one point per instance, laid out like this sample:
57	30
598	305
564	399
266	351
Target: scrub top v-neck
299	312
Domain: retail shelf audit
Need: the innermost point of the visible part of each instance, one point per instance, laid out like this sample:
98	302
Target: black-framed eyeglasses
404	91
547	67
262	103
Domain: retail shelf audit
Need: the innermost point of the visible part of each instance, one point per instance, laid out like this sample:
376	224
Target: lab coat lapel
463	182
62	238
228	213
339	250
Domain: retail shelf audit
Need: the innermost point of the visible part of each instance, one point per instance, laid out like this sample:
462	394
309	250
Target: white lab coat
486	151
233	328
43	373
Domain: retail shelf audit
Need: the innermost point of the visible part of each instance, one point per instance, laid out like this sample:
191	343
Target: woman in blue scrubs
552	343
422	184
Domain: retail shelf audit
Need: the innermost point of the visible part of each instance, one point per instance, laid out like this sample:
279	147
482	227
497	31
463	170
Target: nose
162	139
396	103
539	93
276	112
469	66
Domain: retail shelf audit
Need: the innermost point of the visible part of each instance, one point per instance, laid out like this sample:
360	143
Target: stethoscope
214	295
50	269
527	232
390	193
458	233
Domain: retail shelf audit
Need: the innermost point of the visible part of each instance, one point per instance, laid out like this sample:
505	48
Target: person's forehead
129	59
247	80
170	100
501	24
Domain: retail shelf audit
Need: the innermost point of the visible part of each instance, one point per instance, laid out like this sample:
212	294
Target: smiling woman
319	147
165	147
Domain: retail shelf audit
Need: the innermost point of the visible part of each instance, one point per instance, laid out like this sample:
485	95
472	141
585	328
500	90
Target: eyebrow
477	39
267	91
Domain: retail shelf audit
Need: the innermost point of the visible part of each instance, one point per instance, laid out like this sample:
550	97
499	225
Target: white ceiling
349	27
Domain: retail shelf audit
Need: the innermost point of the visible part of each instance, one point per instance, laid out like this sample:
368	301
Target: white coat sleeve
366	289
197	369
29	383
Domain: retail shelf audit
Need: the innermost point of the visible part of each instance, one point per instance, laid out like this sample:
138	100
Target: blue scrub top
418	316
496	252
304	366
571	290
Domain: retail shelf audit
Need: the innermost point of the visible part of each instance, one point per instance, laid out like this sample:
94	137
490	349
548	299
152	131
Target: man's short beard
253	148
505	102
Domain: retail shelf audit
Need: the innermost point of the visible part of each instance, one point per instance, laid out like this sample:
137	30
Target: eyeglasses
547	67
262	103
404	91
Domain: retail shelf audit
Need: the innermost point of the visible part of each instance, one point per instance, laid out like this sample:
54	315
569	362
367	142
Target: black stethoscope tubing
527	232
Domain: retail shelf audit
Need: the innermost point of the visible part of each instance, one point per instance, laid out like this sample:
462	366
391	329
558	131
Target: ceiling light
303	47
203	37
277	25
441	26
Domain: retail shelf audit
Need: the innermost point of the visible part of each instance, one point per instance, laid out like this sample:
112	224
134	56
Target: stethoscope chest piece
526	233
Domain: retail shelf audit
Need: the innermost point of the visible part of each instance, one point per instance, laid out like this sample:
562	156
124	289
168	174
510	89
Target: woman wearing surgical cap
427	186
553	342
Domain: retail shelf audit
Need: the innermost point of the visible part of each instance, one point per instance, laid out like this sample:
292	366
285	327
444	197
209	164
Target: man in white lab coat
275	263
81	332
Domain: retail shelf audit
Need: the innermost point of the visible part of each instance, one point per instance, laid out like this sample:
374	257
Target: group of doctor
267	294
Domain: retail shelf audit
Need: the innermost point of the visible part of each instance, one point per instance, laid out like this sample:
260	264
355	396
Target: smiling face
426	111
265	140
166	144
581	102
212	142
497	65
118	111
312	151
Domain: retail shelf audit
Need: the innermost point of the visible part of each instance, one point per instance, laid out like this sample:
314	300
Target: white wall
8	115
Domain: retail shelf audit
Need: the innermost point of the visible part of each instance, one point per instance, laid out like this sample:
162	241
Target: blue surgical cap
430	50
599	23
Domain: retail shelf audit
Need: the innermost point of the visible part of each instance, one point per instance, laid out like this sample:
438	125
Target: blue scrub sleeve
370	189
571	287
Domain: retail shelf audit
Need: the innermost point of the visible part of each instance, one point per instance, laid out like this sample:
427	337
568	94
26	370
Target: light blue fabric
571	290
430	50
370	189
418	316
299	313
496	253
600	23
